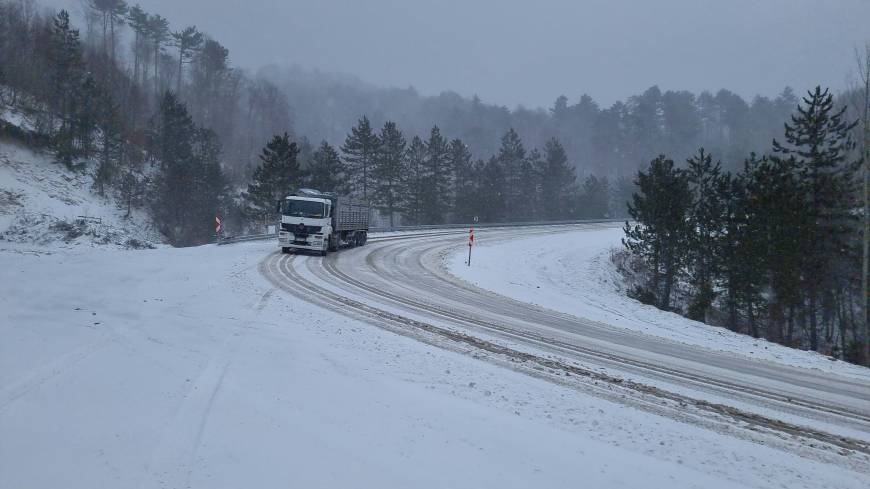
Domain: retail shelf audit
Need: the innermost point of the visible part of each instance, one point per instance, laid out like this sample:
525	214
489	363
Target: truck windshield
302	208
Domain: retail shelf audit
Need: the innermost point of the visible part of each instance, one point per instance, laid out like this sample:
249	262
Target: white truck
321	222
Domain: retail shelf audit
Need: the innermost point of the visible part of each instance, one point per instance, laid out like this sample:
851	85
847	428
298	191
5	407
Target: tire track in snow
40	375
174	458
172	463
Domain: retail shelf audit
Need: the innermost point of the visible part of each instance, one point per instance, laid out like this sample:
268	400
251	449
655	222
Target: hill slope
44	204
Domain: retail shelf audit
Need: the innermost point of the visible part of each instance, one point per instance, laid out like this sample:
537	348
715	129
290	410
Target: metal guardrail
248	237
493	225
260	237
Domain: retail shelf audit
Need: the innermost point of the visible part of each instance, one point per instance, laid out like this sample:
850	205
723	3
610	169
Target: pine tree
189	186
644	124
741	268
437	178
531	173
207	195
818	138
415	181
659	233
188	41
116	17
511	159
465	178
113	13
595	199
212	89
138	21
171	138
774	219
326	171
389	170
621	191
130	189
305	157
91	104
707	221
277	175
558	182
158	34
492	191
67	76
112	141
360	149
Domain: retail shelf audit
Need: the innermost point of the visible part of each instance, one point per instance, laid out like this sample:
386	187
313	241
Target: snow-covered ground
573	273
43	203
12	115
186	368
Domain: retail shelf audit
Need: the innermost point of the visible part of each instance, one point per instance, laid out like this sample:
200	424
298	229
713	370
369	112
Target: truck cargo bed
351	215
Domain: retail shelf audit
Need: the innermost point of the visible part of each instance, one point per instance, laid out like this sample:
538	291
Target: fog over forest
530	52
639	78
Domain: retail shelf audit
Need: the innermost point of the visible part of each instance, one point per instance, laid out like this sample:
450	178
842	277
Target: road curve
403	275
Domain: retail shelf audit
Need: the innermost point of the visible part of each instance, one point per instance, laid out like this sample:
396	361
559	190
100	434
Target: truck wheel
333	242
285	250
363	237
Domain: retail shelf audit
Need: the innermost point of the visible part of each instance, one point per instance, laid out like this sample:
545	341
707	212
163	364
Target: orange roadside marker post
470	243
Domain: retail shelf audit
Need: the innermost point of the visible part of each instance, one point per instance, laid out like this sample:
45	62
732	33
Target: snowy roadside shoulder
572	273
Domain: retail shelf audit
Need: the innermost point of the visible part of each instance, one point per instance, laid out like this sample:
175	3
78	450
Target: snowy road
405	280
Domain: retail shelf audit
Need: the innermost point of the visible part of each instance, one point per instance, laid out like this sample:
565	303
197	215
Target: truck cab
306	223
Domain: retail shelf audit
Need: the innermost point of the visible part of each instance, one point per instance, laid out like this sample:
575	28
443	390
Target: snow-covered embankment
572	273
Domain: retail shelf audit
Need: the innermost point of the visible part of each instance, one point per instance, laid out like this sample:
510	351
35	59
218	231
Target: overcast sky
530	51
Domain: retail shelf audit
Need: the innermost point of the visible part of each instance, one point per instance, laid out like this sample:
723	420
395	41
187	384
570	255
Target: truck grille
300	229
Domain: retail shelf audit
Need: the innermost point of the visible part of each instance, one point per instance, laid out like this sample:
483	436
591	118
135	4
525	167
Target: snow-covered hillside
44	204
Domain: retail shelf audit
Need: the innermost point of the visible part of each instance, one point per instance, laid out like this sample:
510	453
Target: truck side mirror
278	207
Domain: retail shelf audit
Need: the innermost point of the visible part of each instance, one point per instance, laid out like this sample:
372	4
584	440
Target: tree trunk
865	277
112	31
829	311
365	164
753	325
180	60
390	205
732	311
156	79
843	323
105	28
775	320
669	283
136	59
656	267
814	332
